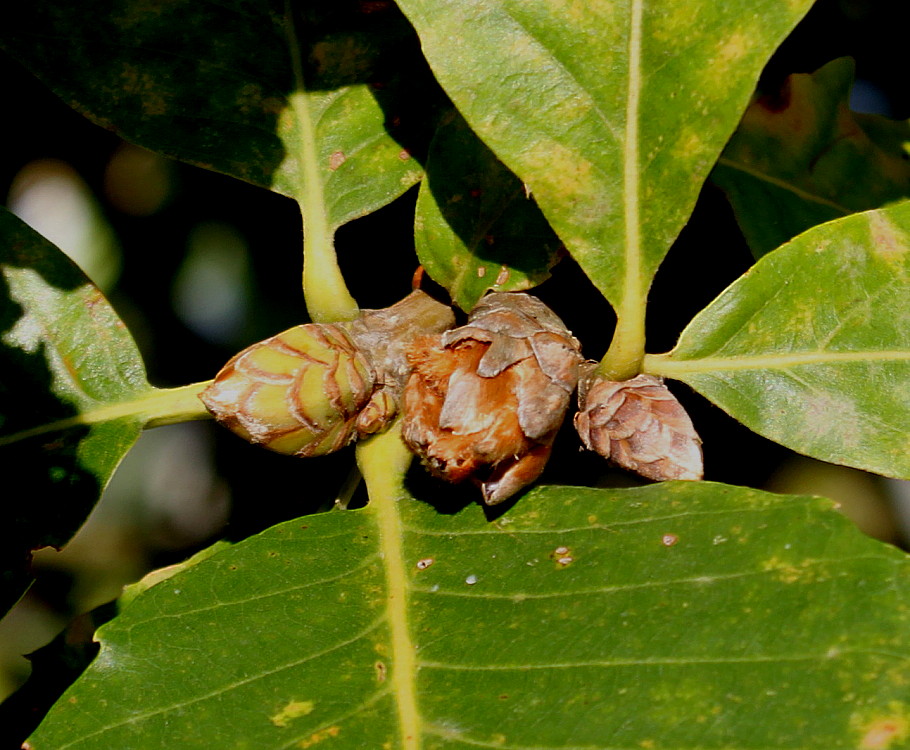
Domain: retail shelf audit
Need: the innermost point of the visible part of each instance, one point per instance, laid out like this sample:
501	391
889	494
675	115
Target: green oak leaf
811	347
611	113
803	158
686	614
286	95
73	398
476	227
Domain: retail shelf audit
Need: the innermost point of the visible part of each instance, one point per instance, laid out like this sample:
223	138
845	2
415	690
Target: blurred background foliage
200	265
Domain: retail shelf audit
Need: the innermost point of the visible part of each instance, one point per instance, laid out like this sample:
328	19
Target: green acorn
315	388
299	392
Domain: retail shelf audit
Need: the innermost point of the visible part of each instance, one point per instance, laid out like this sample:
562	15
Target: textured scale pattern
639	425
485	401
302	392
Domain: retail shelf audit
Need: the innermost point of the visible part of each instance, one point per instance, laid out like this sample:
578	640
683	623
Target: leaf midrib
665	365
805	195
383	461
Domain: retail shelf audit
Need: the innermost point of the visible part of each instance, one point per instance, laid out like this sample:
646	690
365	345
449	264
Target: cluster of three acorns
481	402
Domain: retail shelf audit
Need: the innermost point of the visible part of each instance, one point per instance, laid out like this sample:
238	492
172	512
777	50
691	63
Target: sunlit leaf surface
811	347
65	361
803	158
680	615
285	95
612	113
477	227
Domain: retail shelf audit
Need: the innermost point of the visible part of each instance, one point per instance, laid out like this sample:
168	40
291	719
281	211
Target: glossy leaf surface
611	113
803	158
684	615
811	347
477	227
66	362
289	96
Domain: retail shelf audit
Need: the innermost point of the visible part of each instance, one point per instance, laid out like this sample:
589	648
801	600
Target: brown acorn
639	425
315	388
484	401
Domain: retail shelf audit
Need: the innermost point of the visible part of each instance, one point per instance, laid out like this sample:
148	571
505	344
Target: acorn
315	388
484	401
639	425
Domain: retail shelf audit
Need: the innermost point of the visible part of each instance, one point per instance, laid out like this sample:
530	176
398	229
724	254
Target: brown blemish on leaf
250	99
481	272
886	239
316	737
293	710
880	733
425	563
668	540
503	276
342	57
336	160
381	671
143	86
374	6
404	154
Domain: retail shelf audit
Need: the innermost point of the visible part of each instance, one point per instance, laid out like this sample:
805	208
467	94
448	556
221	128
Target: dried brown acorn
484	401
639	425
315	388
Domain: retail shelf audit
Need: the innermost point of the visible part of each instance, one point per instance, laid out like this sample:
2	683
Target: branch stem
158	406
324	289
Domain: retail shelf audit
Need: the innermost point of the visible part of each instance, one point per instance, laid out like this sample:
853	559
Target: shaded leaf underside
803	158
64	355
283	95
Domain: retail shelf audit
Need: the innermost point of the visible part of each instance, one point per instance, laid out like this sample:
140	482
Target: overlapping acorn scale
314	388
298	392
481	405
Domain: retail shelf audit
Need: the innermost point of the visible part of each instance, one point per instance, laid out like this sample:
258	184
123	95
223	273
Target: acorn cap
485	401
639	425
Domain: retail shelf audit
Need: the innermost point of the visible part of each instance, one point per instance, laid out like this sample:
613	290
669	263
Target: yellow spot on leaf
688	145
293	710
732	49
786	573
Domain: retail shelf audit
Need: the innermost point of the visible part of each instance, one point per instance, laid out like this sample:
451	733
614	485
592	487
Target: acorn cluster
481	402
